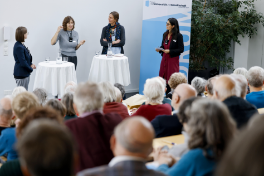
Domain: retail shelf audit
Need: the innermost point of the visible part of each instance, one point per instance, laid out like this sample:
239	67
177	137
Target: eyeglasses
167	24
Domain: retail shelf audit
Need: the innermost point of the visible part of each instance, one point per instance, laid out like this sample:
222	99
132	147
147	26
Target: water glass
65	59
47	59
97	53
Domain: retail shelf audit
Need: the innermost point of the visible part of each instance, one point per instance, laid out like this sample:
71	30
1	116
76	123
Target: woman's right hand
59	29
158	50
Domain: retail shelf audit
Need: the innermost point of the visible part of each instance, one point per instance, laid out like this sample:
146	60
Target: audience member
42	95
131	150
225	90
199	85
241	71
110	103
241	81
70	87
175	80
153	91
67	101
209	87
119	98
122	90
58	106
22	103
13	168
168	125
92	129
6	114
211	129
17	91
255	77
245	154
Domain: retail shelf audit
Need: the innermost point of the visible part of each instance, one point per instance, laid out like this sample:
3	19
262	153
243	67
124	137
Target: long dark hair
174	22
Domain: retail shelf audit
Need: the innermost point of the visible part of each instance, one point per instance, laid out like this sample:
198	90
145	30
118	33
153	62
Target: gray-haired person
122	89
41	94
199	85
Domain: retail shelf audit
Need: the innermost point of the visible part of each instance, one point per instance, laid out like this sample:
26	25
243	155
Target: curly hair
176	79
66	20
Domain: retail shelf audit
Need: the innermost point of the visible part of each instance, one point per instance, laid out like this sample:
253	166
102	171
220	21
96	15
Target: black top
166	125
122	36
240	109
176	46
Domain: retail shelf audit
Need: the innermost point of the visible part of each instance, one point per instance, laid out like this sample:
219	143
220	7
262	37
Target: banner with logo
155	15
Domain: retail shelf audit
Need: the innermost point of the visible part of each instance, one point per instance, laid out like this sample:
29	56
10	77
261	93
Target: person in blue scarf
113	33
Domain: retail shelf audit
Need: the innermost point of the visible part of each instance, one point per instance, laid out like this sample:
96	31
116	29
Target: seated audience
67	101
153	91
92	129
241	71
22	103
118	95
6	114
42	95
17	91
211	129
122	90
175	80
199	85
70	87
255	77
131	150
209	87
58	106
168	125
110	103
165	100
241	81
13	168
245	154
226	90
177	151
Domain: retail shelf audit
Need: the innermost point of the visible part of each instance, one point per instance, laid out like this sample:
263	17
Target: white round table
113	70
53	77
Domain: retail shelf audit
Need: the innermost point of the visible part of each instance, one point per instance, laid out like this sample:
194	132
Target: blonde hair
176	79
24	102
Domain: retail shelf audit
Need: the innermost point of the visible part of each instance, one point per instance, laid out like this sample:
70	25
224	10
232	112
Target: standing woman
172	43
23	59
113	33
68	40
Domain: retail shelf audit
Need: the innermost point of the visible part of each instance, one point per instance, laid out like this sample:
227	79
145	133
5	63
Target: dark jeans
72	59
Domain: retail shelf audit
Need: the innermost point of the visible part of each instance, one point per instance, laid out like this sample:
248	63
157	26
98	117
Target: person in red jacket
92	130
111	100
154	92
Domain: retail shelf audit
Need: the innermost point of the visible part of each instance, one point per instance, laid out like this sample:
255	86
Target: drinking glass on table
65	59
97	53
47	59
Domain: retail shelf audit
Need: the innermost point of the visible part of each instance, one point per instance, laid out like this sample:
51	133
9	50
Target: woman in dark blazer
23	59
172	44
113	33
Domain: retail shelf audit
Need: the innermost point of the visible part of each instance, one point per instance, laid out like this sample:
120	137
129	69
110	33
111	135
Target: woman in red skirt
172	44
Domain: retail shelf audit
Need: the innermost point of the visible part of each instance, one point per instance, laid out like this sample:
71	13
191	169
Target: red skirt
168	66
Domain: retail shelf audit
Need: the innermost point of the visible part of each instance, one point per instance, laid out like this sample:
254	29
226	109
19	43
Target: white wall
42	19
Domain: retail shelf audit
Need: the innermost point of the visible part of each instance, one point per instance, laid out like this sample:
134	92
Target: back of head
184	108
210	126
199	84
118	95
241	81
17	91
88	97
240	71
245	157
177	79
70	87
46	148
121	88
154	90
210	85
23	102
108	92
225	86
6	109
41	95
58	106
255	76
185	91
67	100
129	135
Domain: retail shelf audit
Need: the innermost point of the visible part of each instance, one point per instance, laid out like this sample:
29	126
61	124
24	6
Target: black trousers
72	59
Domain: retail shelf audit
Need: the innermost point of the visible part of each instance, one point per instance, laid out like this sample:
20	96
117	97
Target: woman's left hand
82	42
162	157
166	51
33	66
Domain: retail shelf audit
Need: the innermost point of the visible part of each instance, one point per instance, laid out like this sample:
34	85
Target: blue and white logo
147	3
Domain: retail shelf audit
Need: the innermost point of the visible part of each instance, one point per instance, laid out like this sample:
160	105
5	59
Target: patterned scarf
109	36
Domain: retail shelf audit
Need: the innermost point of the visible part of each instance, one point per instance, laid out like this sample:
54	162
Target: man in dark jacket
226	89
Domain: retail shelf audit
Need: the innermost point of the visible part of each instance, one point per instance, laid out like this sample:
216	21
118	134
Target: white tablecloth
114	70
53	77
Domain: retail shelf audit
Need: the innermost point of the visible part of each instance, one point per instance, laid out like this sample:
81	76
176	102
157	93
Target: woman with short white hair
154	92
199	85
41	94
17	91
110	100
240	71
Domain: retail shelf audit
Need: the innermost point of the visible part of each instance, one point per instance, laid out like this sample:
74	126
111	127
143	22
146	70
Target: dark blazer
176	48
23	61
123	168
240	109
166	125
122	36
92	134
